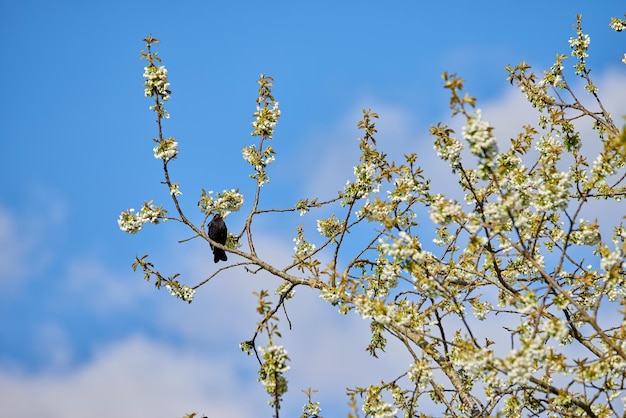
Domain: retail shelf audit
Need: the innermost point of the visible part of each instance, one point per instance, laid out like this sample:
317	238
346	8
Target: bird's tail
219	254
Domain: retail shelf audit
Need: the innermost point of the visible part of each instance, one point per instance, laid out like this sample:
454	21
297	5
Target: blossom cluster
586	233
406	186
448	148
480	308
304	205
311	409
376	211
175	190
156	82
420	373
479	135
132	222
372	306
482	142
332	295
271	372
552	192
522	363
166	149
604	166
617	24
225	202
303	249
554	76
404	247
183	292
375	406
443	211
255	159
384	279
266	118
613	260
330	227
365	183
579	45
259	160
287	290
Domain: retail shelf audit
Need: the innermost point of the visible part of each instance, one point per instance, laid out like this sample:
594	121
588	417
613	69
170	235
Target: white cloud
52	343
25	236
88	281
201	367
135	377
14	248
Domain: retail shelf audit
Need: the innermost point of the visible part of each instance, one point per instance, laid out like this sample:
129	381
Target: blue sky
80	333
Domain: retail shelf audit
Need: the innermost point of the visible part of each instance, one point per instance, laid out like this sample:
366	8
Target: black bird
218	233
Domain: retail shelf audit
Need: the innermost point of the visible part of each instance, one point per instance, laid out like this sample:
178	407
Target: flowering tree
517	255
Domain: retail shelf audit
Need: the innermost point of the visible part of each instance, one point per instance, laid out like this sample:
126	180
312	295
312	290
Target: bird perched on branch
218	233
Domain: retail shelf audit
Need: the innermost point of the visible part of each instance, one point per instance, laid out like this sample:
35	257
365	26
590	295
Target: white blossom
478	134
303	249
579	45
175	190
132	222
365	183
182	292
613	259
265	120
274	364
156	82
449	150
617	25
330	227
166	149
225	202
420	373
